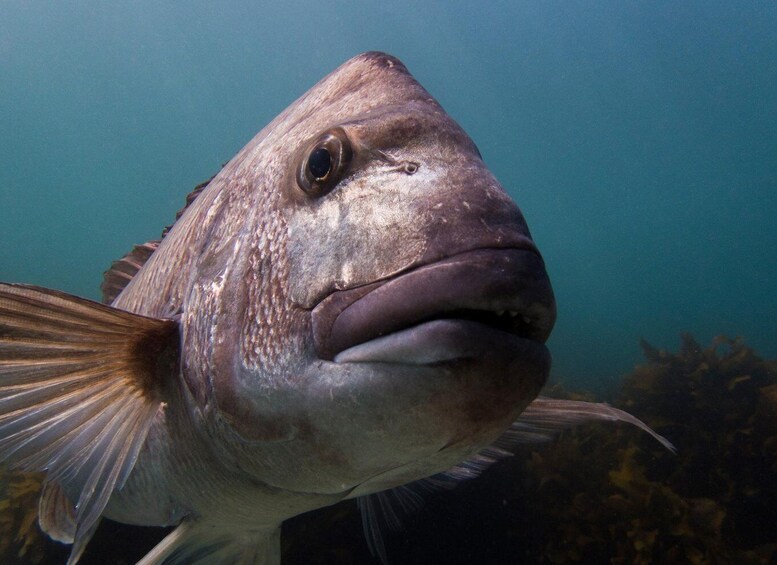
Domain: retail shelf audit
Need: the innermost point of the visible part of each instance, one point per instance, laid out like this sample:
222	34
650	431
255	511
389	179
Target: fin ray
121	272
387	510
542	420
79	390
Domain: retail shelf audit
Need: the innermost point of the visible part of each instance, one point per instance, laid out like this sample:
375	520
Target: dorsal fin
121	272
191	197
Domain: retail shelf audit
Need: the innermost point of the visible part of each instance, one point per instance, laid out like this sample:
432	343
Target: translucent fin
386	510
542	421
79	388
56	513
544	418
197	543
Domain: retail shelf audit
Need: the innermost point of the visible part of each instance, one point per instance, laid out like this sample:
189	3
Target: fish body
352	304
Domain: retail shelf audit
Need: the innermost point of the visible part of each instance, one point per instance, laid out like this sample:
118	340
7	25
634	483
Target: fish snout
483	291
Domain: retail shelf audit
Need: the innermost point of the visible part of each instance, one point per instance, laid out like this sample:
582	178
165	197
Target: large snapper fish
351	305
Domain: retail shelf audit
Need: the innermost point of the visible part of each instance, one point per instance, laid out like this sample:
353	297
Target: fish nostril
410	167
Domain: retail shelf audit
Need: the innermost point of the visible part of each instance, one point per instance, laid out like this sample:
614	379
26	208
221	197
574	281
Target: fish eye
319	163
325	163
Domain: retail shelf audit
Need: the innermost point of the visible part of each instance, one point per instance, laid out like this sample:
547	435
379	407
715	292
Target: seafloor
599	494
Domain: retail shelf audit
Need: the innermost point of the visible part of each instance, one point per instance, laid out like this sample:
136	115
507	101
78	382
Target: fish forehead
359	86
373	93
243	195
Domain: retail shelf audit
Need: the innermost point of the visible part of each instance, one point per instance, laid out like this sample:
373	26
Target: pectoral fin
545	417
542	421
79	389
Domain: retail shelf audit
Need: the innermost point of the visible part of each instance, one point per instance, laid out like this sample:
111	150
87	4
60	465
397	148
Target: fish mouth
459	307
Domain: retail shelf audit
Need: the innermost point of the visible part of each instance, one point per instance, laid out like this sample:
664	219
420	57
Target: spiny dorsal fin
190	198
80	385
121	272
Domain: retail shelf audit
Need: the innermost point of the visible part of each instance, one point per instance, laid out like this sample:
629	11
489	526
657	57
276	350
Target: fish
352	306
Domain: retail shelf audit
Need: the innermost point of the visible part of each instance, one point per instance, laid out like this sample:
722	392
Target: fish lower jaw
440	341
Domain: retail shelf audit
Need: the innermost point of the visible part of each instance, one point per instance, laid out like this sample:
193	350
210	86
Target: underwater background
639	139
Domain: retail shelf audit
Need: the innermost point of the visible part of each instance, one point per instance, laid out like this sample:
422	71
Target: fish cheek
365	231
217	317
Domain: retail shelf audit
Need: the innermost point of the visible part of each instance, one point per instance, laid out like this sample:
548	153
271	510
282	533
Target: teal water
640	140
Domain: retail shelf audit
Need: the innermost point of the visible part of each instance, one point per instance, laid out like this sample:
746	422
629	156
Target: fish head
368	307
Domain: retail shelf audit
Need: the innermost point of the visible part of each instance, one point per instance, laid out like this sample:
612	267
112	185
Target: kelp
20	537
713	502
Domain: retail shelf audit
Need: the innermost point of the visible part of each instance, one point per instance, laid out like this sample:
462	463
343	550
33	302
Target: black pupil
319	163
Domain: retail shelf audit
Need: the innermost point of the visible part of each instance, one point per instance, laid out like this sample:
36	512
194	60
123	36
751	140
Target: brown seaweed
20	538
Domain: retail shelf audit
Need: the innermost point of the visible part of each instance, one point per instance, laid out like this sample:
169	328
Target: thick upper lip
504	289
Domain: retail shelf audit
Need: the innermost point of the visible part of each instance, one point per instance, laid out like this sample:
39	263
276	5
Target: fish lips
466	306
